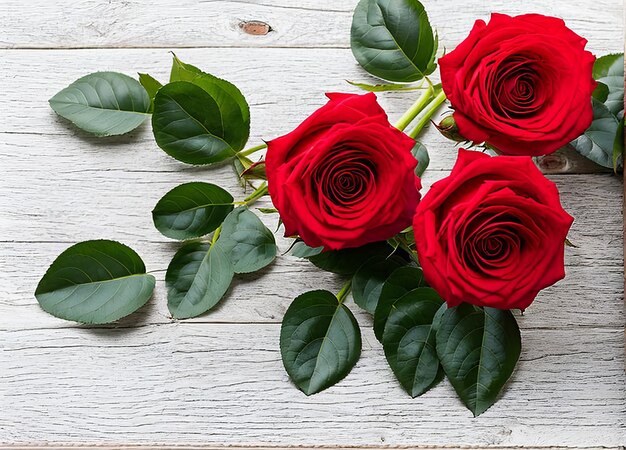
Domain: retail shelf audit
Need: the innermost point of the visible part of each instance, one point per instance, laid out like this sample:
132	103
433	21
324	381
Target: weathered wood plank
217	447
278	103
224	384
61	206
310	23
256	447
590	296
277	108
67	189
217	380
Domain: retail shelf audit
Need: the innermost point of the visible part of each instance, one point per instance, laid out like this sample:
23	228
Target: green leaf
618	147
268	210
399	283
368	281
301	250
233	107
181	71
103	103
608	65
601	92
409	340
151	85
409	237
393	40
423	160
597	142
603	141
478	349
197	278
240	165
255	172
247	242
192	210
348	261
385	87
609	70
320	341
188	125
95	282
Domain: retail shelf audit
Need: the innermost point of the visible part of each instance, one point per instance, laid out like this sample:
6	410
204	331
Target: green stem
428	112
407	248
252	150
413	256
257	194
216	235
345	290
430	83
415	109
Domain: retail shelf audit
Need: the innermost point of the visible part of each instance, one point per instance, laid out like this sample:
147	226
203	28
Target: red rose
522	84
492	233
345	177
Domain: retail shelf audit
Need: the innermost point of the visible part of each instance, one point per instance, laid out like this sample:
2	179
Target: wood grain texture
277	107
224	384
305	23
217	380
276	447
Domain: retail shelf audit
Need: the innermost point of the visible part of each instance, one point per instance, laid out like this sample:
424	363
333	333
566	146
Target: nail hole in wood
255	27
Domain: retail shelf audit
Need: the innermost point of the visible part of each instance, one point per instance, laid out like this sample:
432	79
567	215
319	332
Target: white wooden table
218	379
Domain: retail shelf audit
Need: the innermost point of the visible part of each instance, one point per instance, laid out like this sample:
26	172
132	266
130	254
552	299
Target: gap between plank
177	46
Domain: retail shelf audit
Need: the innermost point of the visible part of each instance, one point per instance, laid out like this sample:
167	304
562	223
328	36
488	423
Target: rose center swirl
490	243
517	88
345	177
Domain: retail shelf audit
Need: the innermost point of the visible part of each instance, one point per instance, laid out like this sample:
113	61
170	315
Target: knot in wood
554	162
255	27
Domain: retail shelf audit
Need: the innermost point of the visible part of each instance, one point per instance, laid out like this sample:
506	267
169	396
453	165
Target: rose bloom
492	233
345	177
522	84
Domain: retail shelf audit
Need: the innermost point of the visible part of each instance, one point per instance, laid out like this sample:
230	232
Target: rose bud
522	84
345	176
449	129
492	233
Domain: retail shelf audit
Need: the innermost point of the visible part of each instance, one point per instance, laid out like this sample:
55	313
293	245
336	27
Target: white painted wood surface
217	379
294	23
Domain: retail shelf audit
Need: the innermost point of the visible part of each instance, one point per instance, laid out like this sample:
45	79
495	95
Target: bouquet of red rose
440	273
